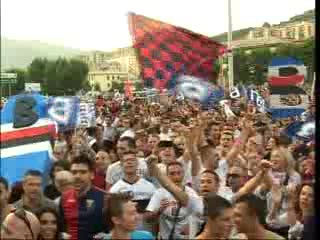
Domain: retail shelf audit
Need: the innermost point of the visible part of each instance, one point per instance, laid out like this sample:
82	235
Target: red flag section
165	50
285	81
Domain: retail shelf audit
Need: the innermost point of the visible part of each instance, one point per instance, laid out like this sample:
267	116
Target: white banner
32	87
87	115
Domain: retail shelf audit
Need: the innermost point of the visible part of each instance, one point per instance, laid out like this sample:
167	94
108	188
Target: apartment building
108	67
297	31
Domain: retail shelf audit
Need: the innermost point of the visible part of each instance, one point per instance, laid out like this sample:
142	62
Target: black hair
216	176
176	163
16	192
33	173
4	182
215	205
91	131
53	212
256	205
61	163
131	142
129	152
83	159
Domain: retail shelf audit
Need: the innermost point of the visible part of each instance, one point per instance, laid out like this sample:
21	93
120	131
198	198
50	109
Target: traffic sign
10	78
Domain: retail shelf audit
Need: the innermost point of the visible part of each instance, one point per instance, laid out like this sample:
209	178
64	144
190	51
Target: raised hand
164	203
265	165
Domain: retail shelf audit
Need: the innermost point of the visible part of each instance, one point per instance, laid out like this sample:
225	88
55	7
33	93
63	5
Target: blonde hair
285	154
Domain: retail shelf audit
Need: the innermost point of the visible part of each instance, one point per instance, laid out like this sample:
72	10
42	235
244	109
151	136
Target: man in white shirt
174	215
115	170
140	189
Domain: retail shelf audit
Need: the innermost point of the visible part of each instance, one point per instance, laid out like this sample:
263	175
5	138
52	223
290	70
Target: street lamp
248	52
273	49
230	54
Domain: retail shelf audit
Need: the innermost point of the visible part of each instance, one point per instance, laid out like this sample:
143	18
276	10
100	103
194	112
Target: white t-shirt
115	171
141	190
187	170
226	193
166	220
222	171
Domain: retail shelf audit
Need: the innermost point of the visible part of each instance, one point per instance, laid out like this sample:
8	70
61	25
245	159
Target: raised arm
254	182
176	191
239	144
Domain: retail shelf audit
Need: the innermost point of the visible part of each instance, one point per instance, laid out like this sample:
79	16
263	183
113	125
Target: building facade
106	68
298	31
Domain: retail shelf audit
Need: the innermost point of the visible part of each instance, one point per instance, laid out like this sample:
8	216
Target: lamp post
230	54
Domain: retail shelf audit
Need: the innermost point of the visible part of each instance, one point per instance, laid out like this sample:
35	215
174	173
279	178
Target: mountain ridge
20	53
239	34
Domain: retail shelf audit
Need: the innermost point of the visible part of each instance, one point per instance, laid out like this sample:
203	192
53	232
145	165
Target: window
301	32
309	31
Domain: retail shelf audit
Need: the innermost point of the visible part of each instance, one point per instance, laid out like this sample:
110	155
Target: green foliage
60	76
138	85
36	70
252	68
119	85
97	87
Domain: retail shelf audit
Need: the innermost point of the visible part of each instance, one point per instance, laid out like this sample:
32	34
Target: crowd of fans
168	171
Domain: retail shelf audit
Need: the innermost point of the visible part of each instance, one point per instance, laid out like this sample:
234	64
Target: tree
36	70
266	25
119	85
97	87
138	85
76	76
60	76
252	67
51	83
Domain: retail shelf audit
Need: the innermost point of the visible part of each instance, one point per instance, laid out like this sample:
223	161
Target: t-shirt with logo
141	191
167	217
115	171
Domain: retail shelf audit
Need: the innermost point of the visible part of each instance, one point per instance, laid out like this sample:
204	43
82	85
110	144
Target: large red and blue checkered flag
166	51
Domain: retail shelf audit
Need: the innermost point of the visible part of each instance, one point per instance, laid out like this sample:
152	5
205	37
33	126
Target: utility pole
230	54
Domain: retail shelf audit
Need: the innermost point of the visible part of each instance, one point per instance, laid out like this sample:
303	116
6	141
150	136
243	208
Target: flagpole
313	85
230	54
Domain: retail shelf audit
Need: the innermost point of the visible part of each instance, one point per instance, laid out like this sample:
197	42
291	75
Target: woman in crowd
281	178
49	229
301	208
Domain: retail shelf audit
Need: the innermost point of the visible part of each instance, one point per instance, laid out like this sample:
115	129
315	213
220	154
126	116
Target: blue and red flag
26	136
169	54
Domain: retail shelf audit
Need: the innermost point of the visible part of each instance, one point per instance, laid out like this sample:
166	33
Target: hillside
236	35
19	53
240	34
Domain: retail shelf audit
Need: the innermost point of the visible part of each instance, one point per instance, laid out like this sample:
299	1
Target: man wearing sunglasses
236	178
20	224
